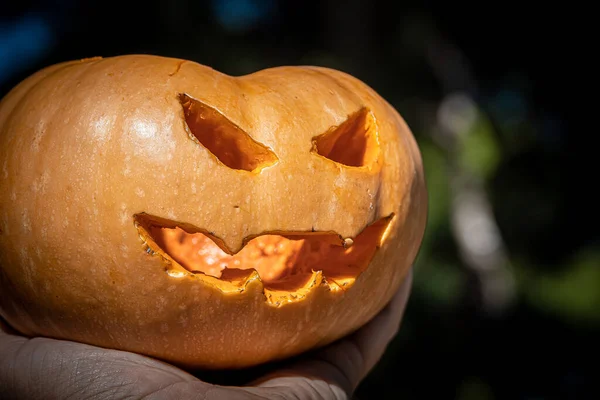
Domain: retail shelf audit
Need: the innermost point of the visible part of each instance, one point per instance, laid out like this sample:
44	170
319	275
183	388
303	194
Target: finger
339	368
55	369
43	368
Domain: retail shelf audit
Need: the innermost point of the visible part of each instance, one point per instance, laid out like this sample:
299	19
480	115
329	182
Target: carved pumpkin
158	206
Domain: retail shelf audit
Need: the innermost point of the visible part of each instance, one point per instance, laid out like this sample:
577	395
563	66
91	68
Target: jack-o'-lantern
158	206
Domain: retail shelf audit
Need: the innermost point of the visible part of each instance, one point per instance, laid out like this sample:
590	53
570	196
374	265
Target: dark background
506	300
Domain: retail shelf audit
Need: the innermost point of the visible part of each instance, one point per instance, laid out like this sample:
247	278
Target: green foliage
573	294
442	282
479	152
474	389
434	164
437	278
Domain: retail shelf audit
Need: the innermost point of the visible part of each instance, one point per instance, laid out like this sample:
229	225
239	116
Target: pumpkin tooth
241	278
281	296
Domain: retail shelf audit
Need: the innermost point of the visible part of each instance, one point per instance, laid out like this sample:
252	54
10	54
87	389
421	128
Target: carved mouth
286	263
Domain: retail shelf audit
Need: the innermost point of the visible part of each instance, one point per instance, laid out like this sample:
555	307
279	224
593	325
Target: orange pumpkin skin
97	154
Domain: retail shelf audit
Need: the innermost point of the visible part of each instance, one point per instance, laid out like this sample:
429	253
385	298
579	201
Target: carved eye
354	143
224	139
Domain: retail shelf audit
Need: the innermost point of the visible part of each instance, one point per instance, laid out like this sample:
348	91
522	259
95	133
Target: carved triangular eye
224	139
354	143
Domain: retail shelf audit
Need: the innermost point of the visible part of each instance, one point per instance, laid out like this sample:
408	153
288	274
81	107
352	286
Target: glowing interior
354	143
225	140
283	261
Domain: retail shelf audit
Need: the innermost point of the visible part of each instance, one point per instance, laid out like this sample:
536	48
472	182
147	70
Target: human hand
42	368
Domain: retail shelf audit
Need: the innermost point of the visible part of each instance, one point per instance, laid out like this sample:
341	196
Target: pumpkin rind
87	145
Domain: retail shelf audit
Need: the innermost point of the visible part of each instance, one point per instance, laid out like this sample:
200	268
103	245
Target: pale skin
41	368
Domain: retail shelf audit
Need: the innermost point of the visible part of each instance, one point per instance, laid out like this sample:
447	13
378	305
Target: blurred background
506	298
